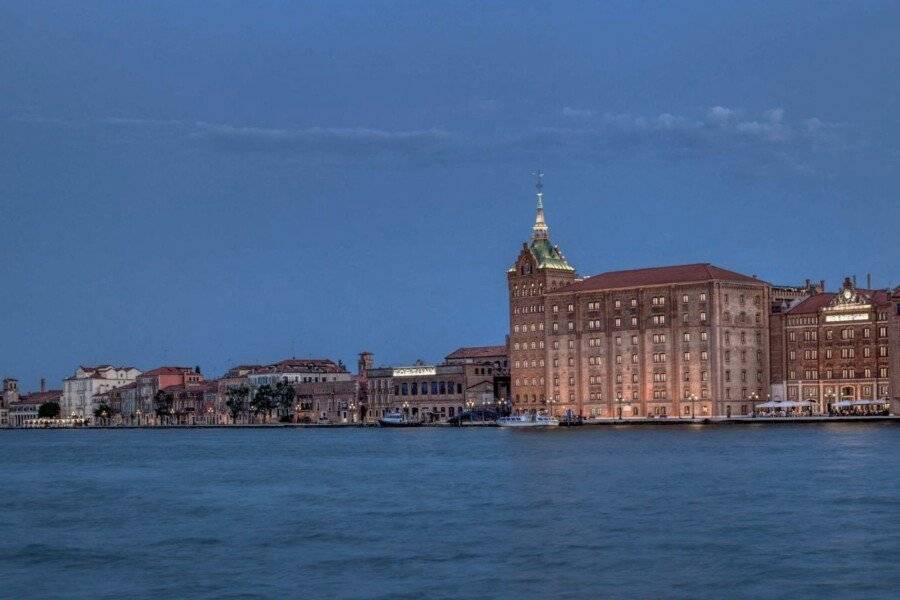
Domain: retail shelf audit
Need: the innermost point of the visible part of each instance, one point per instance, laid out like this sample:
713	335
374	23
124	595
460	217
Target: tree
163	401
284	396
48	410
103	411
263	400
237	396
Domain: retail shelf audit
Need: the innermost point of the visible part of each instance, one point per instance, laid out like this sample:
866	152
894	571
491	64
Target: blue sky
188	185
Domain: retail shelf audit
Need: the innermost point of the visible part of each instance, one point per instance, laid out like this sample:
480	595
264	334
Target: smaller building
486	374
27	407
832	350
79	390
425	392
326	401
151	382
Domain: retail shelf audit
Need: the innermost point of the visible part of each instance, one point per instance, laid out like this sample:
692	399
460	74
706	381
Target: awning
787	404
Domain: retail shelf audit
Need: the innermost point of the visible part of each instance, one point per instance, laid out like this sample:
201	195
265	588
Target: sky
183	183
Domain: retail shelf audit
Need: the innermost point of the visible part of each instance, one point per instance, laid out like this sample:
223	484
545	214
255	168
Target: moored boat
528	421
396	419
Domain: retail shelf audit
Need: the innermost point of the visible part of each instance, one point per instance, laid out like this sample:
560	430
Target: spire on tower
540	230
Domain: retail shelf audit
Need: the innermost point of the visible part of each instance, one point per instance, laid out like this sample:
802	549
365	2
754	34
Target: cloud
720	114
346	144
770	138
577	113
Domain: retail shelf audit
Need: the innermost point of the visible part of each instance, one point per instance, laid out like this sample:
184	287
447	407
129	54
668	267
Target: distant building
80	390
833	347
324	390
298	370
486	374
151	382
26	409
894	350
9	397
425	392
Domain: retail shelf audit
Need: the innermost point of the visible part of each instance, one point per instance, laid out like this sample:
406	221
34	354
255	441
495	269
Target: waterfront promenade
633	422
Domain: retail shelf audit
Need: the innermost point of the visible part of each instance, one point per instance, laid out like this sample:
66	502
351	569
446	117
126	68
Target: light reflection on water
631	512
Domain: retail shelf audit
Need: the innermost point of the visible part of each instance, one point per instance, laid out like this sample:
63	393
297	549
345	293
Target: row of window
812	353
415	388
845	373
811	335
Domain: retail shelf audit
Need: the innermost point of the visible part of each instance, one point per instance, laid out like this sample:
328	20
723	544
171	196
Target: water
631	512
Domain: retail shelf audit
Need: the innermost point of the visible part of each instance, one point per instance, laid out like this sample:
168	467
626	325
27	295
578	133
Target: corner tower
539	267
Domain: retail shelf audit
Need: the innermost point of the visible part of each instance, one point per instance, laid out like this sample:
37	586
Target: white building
80	389
298	370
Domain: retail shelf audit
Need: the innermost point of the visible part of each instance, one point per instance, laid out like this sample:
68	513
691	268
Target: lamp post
829	401
693	400
352	413
754	398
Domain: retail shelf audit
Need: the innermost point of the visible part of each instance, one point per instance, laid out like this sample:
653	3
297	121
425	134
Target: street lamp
693	400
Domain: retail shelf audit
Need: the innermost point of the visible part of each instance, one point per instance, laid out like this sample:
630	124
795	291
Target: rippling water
631	512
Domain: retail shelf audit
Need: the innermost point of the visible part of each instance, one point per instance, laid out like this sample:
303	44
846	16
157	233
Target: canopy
788	404
842	404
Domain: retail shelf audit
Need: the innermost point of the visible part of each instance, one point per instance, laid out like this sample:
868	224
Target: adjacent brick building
832	347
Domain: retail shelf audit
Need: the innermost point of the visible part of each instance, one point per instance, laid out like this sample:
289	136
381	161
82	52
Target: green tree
48	410
237	396
163	401
263	400
284	396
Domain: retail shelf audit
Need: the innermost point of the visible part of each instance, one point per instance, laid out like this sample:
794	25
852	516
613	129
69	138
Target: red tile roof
817	302
302	365
40	397
655	276
167	371
477	352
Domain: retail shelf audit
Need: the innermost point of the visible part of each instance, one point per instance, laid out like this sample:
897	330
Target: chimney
868	281
822	285
854	281
43	385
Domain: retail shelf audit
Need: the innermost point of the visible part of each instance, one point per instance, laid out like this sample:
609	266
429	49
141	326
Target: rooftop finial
539	231
539	186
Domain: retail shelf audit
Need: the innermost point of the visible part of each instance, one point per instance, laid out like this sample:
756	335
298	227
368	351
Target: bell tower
539	267
10	392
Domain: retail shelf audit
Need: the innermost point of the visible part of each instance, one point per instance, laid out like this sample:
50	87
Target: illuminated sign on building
414	371
846	317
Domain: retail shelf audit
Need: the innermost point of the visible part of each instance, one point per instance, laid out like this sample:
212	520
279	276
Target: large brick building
833	347
681	340
894	350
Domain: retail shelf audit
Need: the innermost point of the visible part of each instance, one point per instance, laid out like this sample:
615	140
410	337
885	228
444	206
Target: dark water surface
633	512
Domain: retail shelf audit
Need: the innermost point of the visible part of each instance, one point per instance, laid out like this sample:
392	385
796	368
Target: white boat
528	421
396	419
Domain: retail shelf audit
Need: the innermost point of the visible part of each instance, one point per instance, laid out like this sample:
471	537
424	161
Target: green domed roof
549	256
